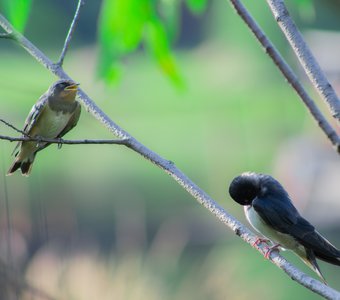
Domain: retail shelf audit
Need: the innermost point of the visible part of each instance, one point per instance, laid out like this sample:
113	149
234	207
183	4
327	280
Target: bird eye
62	85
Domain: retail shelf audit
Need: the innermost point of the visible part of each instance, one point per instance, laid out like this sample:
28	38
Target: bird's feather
284	217
35	113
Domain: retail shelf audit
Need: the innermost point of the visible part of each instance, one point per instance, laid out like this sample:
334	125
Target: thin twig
70	33
305	56
288	73
177	175
27	138
13	127
62	141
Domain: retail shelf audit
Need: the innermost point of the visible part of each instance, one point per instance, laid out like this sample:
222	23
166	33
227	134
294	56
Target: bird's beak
72	87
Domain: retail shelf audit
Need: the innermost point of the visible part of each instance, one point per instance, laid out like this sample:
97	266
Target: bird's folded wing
284	217
35	113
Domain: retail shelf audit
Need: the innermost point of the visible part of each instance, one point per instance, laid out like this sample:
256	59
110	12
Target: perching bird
270	211
55	114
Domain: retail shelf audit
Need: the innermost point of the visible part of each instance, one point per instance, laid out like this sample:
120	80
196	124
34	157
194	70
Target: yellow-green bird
54	114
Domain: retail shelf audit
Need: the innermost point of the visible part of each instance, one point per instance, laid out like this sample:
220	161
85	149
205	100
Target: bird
271	212
55	113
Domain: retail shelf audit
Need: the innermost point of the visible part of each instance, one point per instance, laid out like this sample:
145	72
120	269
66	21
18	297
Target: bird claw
269	250
60	143
260	240
39	140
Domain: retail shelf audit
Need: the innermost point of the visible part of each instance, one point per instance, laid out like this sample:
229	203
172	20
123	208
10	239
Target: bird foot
269	250
260	240
39	141
60	143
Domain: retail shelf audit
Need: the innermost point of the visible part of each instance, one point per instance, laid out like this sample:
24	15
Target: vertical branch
70	33
305	56
287	73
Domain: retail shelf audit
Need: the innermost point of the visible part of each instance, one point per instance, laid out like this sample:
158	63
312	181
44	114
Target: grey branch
176	174
5	36
288	73
70	33
305	56
27	138
62	141
13	127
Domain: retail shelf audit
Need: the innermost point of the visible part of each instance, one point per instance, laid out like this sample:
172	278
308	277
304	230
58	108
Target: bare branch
305	56
27	138
62	141
70	33
177	174
288	73
5	36
13	127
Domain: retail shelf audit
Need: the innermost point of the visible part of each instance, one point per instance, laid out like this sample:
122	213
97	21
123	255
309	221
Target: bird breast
285	240
52	123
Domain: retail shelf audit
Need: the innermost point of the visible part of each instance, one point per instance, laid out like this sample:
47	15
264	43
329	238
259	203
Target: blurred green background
100	222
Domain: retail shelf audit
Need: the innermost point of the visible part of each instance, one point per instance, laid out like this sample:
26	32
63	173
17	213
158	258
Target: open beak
72	87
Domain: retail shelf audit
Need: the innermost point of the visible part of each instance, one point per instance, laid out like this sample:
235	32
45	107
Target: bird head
64	89
245	188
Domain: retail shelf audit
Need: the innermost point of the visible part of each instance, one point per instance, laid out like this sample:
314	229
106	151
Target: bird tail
24	165
310	261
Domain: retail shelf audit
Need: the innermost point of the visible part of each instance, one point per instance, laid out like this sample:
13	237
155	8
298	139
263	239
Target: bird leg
269	250
260	240
39	140
60	143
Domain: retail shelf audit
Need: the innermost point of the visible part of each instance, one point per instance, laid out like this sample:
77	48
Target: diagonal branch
70	33
288	73
305	56
13	127
169	167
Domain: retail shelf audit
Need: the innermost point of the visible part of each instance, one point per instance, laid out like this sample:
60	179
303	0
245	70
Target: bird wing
35	113
32	118
281	215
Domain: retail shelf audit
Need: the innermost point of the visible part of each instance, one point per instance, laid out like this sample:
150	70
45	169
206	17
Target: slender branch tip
70	33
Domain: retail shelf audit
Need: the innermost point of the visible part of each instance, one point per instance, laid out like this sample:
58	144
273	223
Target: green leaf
124	25
120	32
197	6
170	12
157	43
17	12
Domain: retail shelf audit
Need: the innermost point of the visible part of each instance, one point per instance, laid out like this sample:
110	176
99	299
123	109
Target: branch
13	127
6	36
70	33
176	174
305	56
288	73
59	141
62	141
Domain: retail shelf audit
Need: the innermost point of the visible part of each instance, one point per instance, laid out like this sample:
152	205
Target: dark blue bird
271	212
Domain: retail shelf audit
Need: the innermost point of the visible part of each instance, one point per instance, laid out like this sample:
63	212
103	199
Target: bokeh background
101	222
